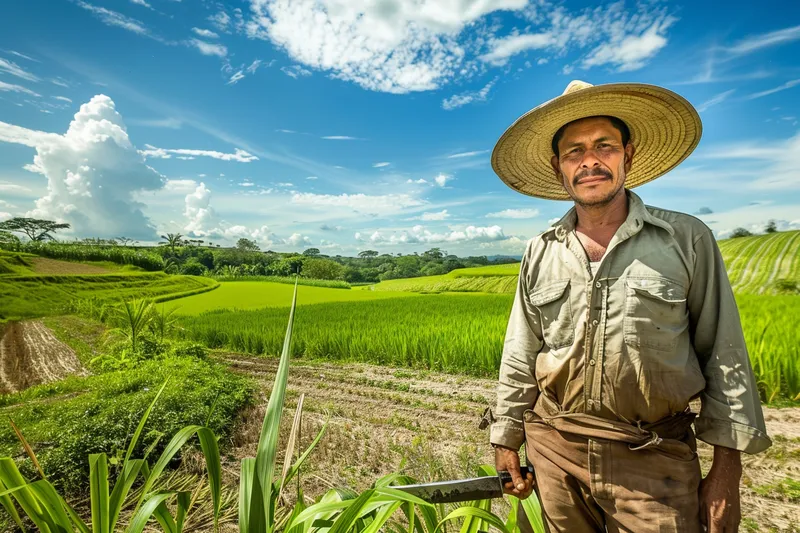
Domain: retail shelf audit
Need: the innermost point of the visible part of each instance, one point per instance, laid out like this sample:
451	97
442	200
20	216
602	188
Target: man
623	314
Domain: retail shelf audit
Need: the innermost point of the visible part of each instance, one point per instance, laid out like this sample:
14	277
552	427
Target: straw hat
664	127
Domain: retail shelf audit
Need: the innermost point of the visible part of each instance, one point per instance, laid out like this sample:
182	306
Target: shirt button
597	284
594	322
589	403
591	362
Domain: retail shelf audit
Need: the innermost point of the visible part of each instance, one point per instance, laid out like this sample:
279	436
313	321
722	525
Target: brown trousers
598	475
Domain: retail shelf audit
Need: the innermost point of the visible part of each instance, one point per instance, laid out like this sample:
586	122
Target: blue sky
362	124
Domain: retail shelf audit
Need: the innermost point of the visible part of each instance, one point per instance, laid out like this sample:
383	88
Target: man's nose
590	159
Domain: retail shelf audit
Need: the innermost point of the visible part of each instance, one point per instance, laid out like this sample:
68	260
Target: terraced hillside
761	264
756	264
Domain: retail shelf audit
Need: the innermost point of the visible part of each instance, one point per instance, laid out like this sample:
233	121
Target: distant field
23	296
257	294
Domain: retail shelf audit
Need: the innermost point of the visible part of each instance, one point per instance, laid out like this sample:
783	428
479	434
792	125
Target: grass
244	295
330	283
120	255
25	296
461	333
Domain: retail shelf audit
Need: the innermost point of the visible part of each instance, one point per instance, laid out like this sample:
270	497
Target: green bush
193	267
187	349
104	410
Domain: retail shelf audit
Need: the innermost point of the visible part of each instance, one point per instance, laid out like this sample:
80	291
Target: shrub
187	349
740	232
193	267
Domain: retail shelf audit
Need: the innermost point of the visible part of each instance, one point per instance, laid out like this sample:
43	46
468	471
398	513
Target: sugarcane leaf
98	490
474	512
147	510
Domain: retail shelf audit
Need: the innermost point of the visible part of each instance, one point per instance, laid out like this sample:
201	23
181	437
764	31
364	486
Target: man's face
592	162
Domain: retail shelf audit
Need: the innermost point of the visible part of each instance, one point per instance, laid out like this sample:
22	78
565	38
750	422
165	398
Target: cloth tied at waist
637	436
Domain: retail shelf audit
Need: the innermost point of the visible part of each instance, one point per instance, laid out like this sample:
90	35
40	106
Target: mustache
591	172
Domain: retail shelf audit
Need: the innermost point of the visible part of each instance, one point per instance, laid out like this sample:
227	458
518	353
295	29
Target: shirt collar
637	215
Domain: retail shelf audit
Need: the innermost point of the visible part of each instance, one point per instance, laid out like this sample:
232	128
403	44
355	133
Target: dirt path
30	354
44	265
426	425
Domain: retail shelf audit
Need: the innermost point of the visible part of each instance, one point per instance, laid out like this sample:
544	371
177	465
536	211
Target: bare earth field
384	420
45	266
30	354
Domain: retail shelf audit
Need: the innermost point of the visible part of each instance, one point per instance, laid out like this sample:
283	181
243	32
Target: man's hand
720	510
508	459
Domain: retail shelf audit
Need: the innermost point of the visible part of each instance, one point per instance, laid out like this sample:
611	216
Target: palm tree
172	240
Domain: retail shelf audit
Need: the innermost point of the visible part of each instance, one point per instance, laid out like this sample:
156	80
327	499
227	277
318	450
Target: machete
462	490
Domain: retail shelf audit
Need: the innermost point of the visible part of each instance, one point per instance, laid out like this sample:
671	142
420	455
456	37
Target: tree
318	268
8	239
434	253
124	241
36	229
366	254
172	240
247	245
740	232
311	252
771	227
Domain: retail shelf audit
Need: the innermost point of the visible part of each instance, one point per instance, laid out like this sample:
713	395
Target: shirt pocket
552	301
655	312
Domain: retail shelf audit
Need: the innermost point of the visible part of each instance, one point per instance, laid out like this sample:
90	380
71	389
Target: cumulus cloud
198	211
166	153
420	181
420	235
515	213
502	49
362	203
442	179
92	170
208	49
441	215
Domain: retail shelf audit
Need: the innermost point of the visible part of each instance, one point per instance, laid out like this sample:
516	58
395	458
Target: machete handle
505	475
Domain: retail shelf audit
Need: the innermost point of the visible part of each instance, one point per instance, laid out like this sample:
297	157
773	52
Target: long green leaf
184	505
246	482
474	512
18	487
11	509
140	427
353	512
533	510
130	471
268	440
164	518
142	516
98	490
383	516
52	503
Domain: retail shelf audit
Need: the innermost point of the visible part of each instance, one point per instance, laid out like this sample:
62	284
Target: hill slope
761	264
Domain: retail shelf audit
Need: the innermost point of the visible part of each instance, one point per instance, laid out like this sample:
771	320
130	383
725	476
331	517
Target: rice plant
122	255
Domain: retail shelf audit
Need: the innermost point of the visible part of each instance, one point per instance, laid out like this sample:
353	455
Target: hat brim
665	128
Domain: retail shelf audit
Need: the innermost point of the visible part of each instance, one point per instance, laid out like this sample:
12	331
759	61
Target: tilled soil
426	425
44	265
30	354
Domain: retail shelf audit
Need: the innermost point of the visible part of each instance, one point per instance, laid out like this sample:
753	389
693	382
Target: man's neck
605	218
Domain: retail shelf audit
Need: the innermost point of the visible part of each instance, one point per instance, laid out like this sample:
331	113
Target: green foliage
34	228
247	245
740	232
98	414
771	227
121	255
322	269
331	284
311	252
193	267
786	489
756	263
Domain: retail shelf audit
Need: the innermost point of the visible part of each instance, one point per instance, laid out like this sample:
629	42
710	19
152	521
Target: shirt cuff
732	435
507	432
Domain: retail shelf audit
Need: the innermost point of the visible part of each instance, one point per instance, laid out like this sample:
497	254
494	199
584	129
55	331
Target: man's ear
630	151
556	167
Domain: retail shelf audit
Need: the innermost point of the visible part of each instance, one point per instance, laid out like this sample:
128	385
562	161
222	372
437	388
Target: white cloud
11	87
630	51
285	184
296	71
113	18
312	178
251	69
247	184
285	131
381	164
92	170
714	100
458	100
166	153
180	186
208	49
515	213
341	138
764	40
60	83
62	99
12	68
236	77
298	239
787	85
5	216
169	123
362	203
420	235
23	56
221	20
198	211
7	186
467	154
420	181
504	48
442	179
392	47
206	34
141	3
427	217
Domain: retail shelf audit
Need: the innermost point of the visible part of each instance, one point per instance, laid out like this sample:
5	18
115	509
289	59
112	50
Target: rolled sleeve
731	414
517	389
